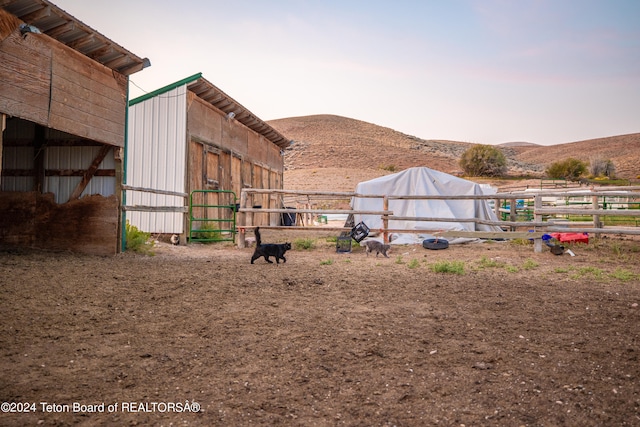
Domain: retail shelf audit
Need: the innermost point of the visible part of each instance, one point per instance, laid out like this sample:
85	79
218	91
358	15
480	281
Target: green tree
570	169
483	160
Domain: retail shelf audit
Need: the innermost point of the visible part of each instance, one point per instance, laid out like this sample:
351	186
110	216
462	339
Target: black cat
269	249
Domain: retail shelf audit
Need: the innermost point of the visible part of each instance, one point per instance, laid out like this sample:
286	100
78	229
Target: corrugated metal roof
58	24
208	92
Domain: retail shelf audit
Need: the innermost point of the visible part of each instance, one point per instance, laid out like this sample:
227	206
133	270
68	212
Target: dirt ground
518	339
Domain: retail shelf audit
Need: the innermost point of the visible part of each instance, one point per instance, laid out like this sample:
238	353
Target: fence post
596	218
242	220
385	220
537	204
513	215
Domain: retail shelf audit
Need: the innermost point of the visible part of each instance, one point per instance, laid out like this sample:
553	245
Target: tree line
490	161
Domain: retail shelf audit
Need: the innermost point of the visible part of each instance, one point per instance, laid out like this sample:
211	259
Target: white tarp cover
423	181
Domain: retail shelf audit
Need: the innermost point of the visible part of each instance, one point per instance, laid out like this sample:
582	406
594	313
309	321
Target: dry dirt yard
519	339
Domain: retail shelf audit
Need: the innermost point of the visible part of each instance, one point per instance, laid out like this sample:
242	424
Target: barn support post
242	221
40	145
537	205
117	160
3	125
90	172
122	220
385	219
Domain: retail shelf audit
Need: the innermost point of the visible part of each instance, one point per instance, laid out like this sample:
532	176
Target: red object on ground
571	237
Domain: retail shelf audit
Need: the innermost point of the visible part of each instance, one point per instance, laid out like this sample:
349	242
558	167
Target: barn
191	149
63	115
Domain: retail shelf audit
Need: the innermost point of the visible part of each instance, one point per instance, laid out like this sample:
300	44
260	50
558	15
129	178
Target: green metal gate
212	229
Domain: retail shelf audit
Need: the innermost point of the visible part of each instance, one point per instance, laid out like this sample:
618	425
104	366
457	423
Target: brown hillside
334	141
335	153
623	150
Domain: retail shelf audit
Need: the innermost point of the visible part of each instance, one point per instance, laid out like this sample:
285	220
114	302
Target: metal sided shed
191	149
63	106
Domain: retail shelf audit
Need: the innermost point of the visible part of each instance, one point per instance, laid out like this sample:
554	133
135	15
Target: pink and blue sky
481	71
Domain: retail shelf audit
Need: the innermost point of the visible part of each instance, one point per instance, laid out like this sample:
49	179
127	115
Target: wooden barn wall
226	155
25	76
211	127
35	220
87	98
46	82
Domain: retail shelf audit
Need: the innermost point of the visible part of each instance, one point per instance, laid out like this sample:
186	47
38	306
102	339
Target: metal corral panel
156	158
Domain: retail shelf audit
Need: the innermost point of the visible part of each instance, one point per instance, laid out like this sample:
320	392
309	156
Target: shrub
138	241
588	271
488	263
483	160
624	275
602	167
570	169
414	263
305	243
455	267
208	231
390	168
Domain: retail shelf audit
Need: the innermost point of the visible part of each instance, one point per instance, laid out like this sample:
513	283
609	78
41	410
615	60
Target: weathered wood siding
53	88
226	155
211	127
25	77
46	82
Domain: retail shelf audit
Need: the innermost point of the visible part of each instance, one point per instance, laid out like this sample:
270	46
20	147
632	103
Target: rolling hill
334	152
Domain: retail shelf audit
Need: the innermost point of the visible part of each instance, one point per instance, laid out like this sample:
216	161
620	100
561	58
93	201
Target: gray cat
377	247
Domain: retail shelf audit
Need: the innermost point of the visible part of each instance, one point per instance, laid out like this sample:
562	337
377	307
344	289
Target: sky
478	71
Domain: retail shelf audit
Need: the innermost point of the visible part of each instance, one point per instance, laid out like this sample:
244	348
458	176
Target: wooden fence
141	208
545	216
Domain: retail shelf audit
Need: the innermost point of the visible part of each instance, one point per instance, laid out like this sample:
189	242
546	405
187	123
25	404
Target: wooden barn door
196	176
236	175
212	181
204	174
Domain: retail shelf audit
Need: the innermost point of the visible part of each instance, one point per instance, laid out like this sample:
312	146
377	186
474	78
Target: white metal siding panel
58	158
77	158
156	156
17	158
